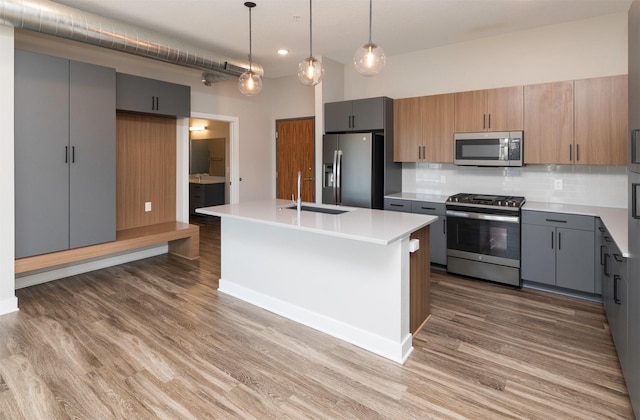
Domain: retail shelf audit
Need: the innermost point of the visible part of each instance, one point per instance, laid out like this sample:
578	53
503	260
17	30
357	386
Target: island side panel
356	291
420	280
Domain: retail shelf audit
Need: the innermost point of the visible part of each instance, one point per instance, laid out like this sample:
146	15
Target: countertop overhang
366	225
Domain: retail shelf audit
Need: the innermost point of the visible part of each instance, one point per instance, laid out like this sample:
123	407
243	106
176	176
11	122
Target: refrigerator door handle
335	176
635	197
339	179
634	145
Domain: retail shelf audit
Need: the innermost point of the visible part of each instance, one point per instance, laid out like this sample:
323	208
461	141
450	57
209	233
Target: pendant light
250	83
310	70
369	60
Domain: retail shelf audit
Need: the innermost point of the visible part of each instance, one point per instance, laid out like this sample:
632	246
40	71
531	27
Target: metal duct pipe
65	22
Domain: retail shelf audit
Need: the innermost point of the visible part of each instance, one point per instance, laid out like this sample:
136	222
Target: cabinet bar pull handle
577	152
484	120
606	265
157	103
601	229
419	153
608	239
551	240
73	154
153	103
427	208
489	120
556	220
602	254
618	257
559	241
66	154
615	289
444	226
396	205
424	152
570	154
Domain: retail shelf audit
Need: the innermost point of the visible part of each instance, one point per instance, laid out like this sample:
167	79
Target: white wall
575	50
8	302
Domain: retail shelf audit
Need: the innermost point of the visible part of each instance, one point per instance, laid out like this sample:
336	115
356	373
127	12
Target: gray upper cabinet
558	249
141	94
357	115
64	154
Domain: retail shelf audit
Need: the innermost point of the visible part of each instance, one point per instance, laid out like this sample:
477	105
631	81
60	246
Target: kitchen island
347	274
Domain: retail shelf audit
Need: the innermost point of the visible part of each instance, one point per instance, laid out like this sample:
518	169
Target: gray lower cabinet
141	94
65	154
437	231
558	249
357	115
615	292
205	195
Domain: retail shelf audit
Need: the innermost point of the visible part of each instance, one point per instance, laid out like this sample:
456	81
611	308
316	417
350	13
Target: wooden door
437	128
548	122
295	152
408	139
601	121
470	111
505	109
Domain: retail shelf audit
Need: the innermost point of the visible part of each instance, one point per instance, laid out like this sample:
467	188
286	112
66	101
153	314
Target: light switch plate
147	206
557	184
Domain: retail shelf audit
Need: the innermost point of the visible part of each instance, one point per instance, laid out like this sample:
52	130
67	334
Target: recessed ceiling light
283	51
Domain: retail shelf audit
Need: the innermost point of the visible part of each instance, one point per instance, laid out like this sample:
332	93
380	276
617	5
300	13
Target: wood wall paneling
146	169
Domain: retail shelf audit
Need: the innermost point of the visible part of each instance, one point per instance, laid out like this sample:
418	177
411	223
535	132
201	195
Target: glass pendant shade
250	83
369	60
310	71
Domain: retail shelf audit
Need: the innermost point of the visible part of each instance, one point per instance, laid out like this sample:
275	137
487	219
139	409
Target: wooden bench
183	240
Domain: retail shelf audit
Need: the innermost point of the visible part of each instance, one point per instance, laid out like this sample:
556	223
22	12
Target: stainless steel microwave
502	148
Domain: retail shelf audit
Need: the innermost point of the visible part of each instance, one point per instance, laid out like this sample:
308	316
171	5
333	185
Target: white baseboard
66	270
395	351
8	305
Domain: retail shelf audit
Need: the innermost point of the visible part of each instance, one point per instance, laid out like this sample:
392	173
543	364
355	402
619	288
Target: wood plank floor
154	339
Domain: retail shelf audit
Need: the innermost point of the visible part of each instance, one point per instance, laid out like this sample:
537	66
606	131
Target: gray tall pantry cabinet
65	155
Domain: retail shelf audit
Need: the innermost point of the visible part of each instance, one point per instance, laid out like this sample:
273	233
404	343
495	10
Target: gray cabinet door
135	93
575	263
437	230
618	312
173	99
538	254
368	114
41	153
141	94
92	138
337	116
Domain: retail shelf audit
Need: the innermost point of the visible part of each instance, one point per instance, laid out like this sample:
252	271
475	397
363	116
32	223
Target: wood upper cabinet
548	122
601	109
424	129
489	110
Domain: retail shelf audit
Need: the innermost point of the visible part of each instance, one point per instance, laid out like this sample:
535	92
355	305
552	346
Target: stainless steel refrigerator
632	372
353	169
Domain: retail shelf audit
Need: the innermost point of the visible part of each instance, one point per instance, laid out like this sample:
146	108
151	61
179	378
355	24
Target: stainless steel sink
316	209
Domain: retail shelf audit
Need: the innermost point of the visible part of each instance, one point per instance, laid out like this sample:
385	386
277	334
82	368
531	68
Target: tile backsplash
569	184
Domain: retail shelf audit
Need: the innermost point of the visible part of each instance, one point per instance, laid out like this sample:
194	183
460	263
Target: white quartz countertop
433	198
367	225
614	219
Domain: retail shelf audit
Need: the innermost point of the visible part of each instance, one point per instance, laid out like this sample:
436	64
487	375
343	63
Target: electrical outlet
557	184
147	206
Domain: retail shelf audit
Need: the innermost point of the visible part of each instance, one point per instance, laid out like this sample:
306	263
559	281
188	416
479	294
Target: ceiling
339	26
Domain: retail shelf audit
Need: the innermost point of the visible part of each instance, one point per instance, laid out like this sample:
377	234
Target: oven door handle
484	216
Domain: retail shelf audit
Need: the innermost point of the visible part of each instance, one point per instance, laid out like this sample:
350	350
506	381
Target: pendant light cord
370	16
310	29
250	42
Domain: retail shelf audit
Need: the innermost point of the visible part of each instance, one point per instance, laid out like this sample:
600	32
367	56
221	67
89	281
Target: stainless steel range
483	237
